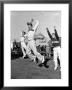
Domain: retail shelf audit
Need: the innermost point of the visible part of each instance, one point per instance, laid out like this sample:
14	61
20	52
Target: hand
32	20
46	28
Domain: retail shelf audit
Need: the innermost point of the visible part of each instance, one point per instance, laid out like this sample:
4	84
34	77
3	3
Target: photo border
2	27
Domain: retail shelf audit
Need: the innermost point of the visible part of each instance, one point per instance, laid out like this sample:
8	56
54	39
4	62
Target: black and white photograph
35	44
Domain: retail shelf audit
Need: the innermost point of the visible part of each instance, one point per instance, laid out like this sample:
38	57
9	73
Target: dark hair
28	23
24	33
53	33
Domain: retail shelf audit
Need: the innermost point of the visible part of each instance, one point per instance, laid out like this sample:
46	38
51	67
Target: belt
31	30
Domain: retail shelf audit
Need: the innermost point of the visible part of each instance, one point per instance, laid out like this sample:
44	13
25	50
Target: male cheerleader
32	27
23	44
56	46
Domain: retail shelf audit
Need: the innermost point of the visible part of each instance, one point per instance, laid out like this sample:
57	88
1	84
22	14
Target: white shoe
23	56
55	68
43	59
34	59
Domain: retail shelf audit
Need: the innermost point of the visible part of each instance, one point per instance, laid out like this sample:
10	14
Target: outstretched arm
36	25
49	33
56	34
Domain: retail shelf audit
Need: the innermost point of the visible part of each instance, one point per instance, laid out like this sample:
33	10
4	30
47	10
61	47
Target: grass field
25	69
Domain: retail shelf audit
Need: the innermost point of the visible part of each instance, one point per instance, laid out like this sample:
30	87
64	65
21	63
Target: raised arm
56	34
49	33
36	25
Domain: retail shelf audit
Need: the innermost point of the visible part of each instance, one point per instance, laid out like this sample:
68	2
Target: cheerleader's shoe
34	59
43	59
55	68
24	56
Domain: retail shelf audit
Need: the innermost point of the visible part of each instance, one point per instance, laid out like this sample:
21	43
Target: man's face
23	33
29	27
53	35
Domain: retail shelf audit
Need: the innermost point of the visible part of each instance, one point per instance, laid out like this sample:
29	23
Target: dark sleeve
49	34
56	34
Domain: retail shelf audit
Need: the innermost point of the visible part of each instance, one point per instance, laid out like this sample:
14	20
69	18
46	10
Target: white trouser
57	53
23	46
11	45
31	46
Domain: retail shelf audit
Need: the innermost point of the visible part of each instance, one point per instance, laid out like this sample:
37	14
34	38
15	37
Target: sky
46	19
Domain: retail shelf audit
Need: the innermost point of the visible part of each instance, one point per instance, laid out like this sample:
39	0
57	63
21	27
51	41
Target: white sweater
31	33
